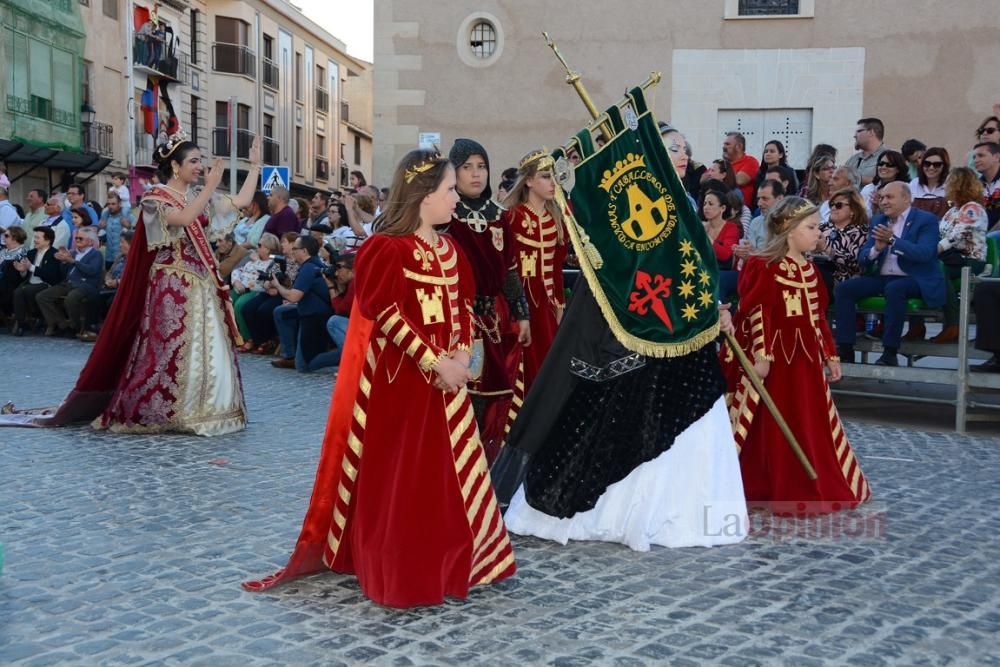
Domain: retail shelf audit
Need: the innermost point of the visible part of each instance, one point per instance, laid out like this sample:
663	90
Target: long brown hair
781	220
417	175
859	212
963	186
531	164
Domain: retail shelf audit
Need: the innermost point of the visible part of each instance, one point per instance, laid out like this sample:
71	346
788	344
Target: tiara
420	168
164	151
541	156
803	208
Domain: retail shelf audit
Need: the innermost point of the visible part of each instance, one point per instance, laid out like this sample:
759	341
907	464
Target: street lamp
87	114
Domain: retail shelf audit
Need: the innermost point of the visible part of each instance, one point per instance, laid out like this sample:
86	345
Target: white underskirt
691	495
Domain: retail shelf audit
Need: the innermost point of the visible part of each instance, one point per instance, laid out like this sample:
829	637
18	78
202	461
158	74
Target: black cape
597	411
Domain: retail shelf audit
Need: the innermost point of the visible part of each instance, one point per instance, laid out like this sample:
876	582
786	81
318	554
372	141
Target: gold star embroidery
706	298
688	268
686	247
704	279
686	289
690	311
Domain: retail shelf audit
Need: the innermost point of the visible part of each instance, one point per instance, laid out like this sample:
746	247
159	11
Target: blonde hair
781	220
417	175
962	186
532	164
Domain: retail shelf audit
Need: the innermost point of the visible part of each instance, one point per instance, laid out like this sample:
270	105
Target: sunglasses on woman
887	165
839	205
937	164
988	130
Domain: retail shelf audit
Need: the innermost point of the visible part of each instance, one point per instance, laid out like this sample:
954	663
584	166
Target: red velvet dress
490	250
782	318
540	259
414	517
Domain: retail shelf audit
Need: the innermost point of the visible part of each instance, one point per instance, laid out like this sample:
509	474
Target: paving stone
125	549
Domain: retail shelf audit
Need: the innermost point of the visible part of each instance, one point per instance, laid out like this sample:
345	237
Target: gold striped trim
531	243
430	280
845	468
344	494
355	443
454	405
339	518
411	349
491	519
350	470
492	556
498	570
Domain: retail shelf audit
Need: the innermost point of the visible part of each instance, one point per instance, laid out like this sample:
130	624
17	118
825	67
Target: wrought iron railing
270	151
270	74
234	59
98	138
220	142
41	108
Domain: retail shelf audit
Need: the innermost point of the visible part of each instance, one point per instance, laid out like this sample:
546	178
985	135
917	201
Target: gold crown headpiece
542	157
421	167
164	151
806	208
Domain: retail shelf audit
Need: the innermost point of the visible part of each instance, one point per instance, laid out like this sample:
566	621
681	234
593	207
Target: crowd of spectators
897	224
288	262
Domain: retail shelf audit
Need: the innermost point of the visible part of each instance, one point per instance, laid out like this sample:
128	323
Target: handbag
952	257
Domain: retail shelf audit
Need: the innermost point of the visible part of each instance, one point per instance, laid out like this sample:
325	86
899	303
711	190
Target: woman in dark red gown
781	326
409	507
536	225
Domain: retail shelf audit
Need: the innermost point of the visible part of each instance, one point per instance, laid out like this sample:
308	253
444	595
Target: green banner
641	245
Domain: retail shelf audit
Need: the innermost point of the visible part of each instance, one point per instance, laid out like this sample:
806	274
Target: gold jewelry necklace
184	195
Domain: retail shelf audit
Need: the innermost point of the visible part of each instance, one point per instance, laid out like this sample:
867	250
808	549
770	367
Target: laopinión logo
799	520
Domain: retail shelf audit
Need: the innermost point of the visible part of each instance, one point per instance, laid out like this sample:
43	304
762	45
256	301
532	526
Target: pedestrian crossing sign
273	176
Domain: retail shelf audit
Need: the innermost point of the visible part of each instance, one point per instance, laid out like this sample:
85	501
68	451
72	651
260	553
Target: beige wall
928	73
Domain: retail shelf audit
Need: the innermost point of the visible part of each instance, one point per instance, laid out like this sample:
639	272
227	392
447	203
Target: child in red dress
781	325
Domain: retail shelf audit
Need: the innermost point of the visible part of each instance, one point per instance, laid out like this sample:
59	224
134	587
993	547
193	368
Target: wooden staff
573	78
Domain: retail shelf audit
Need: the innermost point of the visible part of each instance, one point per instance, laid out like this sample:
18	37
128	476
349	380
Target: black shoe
17	329
846	353
991	365
887	359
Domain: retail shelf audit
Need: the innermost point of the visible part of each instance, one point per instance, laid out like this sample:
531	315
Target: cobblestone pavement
130	550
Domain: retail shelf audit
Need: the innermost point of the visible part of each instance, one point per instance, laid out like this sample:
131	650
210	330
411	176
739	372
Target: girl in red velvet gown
781	326
405	501
536	225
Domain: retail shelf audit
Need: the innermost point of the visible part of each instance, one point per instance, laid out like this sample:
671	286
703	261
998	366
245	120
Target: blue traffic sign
273	176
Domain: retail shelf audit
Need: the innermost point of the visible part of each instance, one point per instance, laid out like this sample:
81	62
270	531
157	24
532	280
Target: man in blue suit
901	260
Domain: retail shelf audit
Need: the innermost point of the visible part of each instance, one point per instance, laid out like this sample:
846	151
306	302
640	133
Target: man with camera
301	321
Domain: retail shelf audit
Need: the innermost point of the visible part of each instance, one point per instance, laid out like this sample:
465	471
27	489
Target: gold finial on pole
573	79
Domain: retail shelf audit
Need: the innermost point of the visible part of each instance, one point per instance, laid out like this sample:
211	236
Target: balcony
322	169
345	116
98	138
270	74
149	52
220	142
322	100
41	108
234	59
270	151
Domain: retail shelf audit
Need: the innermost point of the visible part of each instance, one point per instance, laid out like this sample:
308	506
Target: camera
278	271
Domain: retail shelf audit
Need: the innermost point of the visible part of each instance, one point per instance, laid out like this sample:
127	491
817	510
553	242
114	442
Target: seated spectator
302	212
845	177
774	155
63	304
890	168
228	255
318	209
57	223
913	153
114	220
986	302
336	215
247	281
76	196
928	187
692	176
962	241
817	151
724	235
340	280
9	217
841	238
784	175
248	231
987	159
301	325
987	132
13	251
112	278
819	185
359	226
258	312
283	218
720	170
319	232
902	246
768	194
39	270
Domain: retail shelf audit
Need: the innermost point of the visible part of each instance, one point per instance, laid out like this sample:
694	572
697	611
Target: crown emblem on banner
631	161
